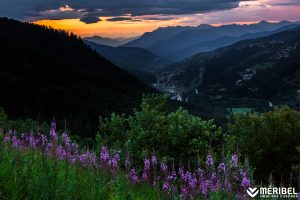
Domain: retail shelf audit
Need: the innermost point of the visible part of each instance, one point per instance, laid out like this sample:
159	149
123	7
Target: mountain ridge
165	41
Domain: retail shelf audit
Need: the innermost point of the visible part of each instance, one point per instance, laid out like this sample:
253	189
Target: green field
240	110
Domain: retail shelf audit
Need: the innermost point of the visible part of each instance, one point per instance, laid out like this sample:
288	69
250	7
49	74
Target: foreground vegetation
34	166
152	154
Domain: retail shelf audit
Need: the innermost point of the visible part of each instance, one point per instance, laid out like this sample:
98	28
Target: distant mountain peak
203	26
264	22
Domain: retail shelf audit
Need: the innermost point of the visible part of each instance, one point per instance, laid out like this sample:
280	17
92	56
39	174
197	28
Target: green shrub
270	142
175	136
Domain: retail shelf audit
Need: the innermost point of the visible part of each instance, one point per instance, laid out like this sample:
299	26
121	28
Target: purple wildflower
66	140
172	176
32	141
44	140
104	156
228	185
184	193
222	167
146	164
234	160
88	159
133	176
146	173
61	152
154	160
53	134
181	171
166	186
127	162
192	182
114	164
209	161
200	172
164	168
245	182
15	142
7	137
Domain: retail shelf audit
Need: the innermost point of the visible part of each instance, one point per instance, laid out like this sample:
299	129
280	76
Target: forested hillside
45	73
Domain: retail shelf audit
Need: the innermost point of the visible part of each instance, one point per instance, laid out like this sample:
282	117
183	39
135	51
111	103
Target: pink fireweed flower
184	193
66	140
209	161
181	172
172	176
16	142
88	159
164	168
133	176
127	162
221	167
32	141
245	181
53	134
44	140
166	186
146	173
200	173
104	156
146	164
114	164
74	158
204	185
234	161
7	137
192	181
154	160
61	152
228	185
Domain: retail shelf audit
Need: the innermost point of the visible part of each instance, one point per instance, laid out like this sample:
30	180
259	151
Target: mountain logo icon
252	192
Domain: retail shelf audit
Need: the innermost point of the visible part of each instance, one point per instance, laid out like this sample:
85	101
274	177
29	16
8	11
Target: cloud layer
89	11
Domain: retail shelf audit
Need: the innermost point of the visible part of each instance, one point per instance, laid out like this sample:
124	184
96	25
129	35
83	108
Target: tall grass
32	175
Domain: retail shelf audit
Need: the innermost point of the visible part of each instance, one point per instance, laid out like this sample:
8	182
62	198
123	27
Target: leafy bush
175	136
270	142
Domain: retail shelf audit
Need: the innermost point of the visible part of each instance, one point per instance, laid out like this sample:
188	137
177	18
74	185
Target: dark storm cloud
26	9
117	19
90	19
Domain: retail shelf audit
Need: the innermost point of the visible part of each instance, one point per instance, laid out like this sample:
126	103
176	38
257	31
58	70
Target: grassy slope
32	176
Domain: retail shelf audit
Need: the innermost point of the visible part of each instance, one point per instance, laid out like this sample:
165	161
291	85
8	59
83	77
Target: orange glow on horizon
107	28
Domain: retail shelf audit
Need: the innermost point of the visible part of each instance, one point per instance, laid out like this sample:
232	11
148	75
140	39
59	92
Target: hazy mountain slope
109	41
160	34
131	58
46	73
221	42
195	36
266	68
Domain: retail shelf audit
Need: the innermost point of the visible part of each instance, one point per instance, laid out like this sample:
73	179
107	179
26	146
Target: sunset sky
128	18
